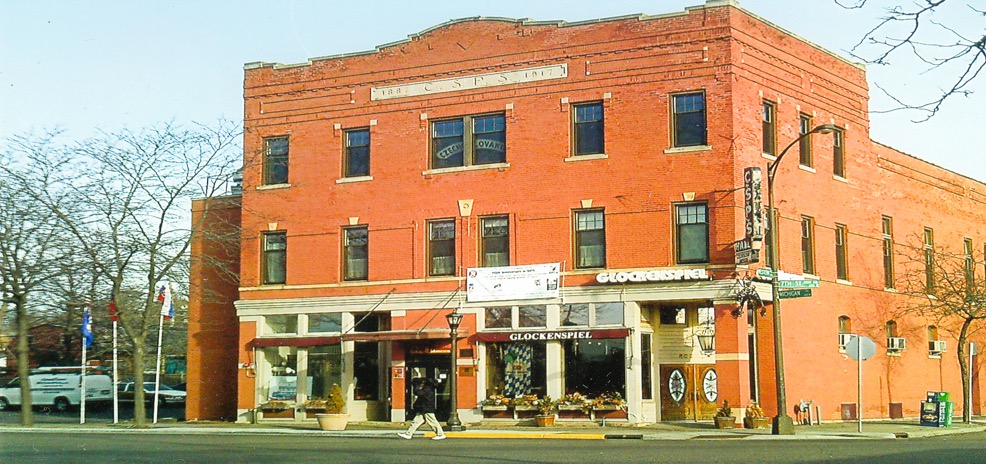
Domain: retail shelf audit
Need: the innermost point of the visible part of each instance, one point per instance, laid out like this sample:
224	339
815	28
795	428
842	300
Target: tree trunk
140	412
964	368
24	362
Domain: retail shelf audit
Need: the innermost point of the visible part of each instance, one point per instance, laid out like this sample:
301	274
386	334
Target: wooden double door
688	391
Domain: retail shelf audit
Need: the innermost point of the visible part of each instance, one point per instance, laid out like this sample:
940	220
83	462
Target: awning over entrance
292	341
544	336
390	335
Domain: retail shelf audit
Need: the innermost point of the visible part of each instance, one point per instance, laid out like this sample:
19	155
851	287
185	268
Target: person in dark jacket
424	409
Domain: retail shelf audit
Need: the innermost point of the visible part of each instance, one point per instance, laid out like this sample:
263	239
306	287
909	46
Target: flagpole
82	403
157	367
116	381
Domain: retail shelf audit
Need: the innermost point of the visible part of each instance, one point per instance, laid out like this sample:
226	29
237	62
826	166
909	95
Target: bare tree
948	289
913	29
30	241
125	199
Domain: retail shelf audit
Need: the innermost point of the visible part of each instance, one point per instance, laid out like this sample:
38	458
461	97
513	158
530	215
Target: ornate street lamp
706	340
454	319
783	424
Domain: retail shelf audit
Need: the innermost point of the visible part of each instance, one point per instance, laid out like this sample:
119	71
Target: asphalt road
60	447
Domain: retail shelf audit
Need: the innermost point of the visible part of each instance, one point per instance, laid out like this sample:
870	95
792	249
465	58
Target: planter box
525	411
725	422
571	412
756	422
278	413
497	412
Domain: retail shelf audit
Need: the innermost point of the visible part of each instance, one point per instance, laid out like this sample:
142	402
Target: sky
91	65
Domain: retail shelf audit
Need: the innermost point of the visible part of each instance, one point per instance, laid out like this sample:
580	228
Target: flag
87	327
167	305
113	316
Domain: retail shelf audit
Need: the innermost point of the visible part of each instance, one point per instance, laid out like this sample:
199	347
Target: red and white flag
164	297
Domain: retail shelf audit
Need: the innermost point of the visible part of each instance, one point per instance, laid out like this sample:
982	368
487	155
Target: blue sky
100	64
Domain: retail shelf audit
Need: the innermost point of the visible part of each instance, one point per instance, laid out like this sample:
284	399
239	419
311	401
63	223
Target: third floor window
356	162
275	160
688	120
804	146
589	129
769	114
469	140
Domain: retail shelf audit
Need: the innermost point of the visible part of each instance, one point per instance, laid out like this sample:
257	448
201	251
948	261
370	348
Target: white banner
535	281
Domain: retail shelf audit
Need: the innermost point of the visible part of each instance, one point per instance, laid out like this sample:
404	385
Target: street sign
765	273
746	252
860	348
810	283
796	293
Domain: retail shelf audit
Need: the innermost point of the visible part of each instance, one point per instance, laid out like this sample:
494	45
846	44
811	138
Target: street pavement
833	430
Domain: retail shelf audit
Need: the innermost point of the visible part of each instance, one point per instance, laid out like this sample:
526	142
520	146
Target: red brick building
575	190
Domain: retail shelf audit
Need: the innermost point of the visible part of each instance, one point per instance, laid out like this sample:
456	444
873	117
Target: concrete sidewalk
836	430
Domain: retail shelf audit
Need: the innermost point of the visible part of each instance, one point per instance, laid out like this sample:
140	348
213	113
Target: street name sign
796	293
808	283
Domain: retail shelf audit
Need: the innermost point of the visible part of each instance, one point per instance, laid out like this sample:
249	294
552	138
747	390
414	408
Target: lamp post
783	423
454	319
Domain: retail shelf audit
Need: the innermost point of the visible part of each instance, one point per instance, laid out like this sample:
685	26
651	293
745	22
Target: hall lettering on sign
662	275
545	336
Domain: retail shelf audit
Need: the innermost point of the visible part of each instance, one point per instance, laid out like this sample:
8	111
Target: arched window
845	325
891	329
932	333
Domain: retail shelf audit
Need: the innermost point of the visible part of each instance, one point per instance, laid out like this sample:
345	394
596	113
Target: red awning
292	341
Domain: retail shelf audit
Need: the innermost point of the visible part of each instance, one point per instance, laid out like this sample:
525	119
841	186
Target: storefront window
318	323
594	367
287	324
515	369
646	390
324	369
532	316
575	314
498	318
366	370
283	383
672	315
609	314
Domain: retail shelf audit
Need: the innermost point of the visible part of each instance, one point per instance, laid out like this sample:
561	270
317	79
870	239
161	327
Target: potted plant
546	409
755	418
724	417
334	418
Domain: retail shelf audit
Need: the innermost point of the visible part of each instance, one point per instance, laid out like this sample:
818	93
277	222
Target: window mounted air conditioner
896	344
936	346
844	340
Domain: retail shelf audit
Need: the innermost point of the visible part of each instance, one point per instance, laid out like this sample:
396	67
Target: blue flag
87	327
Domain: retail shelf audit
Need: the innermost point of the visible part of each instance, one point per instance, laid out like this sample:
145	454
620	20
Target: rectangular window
608	314
595	367
646	390
970	268
275	160
355	253
324	369
888	252
769	113
688	120
804	127
590	239
366	370
808	244
322	323
841	252
692	233
929	260
516	368
441	248
499	317
589	129
575	314
282	324
275	258
838	153
532	316
672	315
357	159
469	140
495	246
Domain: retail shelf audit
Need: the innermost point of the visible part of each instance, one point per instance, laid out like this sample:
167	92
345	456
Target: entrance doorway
688	391
432	366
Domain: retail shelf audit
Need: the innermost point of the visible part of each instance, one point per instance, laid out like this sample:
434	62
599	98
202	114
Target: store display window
595	367
515	368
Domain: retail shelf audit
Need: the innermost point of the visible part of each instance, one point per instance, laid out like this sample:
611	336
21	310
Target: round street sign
860	348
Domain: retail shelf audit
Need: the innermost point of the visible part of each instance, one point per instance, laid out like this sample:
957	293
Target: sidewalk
879	429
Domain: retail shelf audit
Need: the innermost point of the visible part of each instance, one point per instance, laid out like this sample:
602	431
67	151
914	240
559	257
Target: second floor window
469	140
357	157
441	248
929	260
355	264
838	153
888	252
589	129
841	252
688	120
275	160
590	239
274	263
495	241
692	222
808	245
804	146
769	128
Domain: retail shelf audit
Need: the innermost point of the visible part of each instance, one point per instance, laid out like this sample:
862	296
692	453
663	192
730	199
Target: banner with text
535	281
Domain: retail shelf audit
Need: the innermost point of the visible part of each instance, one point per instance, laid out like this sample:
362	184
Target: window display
324	369
514	369
595	367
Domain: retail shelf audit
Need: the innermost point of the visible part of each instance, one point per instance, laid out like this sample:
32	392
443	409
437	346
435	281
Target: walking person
424	409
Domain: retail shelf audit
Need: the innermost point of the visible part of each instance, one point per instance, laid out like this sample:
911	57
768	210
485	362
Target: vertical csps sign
752	180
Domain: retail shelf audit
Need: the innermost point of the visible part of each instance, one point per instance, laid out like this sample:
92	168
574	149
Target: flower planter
278	413
725	422
497	412
572	411
332	421
545	420
526	412
756	422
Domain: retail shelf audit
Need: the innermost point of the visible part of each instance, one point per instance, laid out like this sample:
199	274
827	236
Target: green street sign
765	273
799	293
797	283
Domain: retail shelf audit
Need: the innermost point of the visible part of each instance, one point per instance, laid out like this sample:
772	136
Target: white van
60	390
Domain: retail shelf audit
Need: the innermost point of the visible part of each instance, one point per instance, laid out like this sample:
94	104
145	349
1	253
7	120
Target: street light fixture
783	424
454	319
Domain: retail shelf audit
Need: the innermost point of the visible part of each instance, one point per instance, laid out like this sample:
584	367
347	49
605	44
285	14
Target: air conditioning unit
936	346
896	344
844	340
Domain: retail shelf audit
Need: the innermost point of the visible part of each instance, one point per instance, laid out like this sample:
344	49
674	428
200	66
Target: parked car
166	394
60	390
